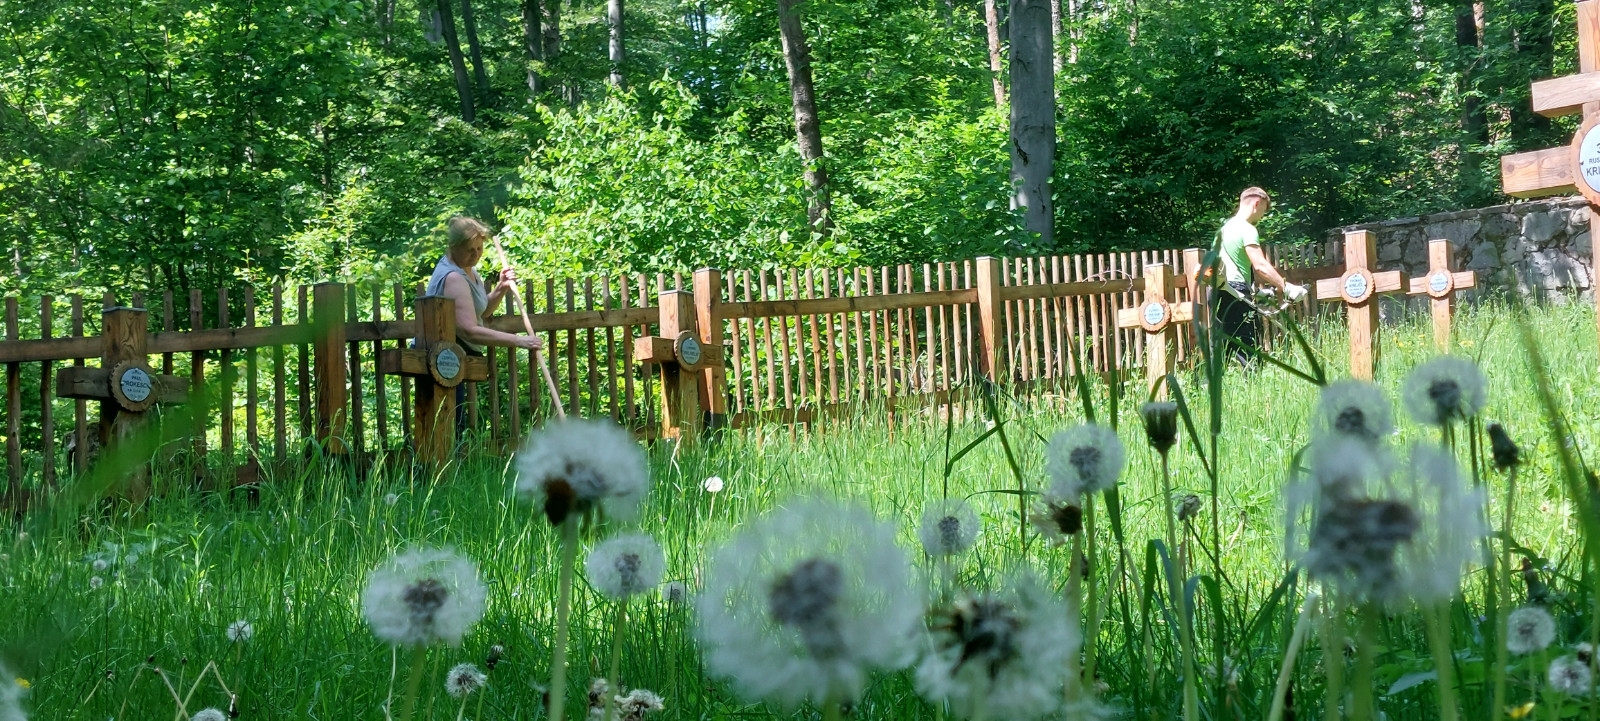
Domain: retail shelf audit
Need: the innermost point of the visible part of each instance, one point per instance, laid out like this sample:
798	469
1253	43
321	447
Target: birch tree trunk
552	37
991	19
807	127
474	48
532	42
1033	115
614	19
458	65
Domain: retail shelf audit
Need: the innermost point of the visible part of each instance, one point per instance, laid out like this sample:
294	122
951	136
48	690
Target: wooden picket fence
797	345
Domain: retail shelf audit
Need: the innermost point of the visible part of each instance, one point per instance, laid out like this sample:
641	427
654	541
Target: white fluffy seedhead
805	602
1354	409
1571	676
1001	655
1083	459
422	597
210	714
240	631
578	466
1450	527
626	565
10	696
1529	629
464	679
1444	389
949	528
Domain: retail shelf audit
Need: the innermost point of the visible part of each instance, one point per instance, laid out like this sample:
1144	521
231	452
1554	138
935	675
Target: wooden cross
1359	288
1441	285
124	384
439	365
1574	167
1157	316
682	355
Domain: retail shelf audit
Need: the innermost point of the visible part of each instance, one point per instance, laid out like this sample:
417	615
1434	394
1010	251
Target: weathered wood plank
1538	173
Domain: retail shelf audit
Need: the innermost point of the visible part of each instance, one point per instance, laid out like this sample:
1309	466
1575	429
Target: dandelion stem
1302	628
558	664
1180	609
1438	621
1091	618
462	711
1503	590
1332	660
419	660
1361	708
832	711
615	675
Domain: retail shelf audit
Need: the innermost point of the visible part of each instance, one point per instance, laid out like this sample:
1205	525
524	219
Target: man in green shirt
1243	263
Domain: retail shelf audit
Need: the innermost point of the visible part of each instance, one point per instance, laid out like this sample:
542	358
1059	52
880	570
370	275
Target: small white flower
626	565
1571	676
464	679
1529	629
713	484
95	582
949	527
675	593
1083	459
1444	389
423	596
99	565
638	703
209	714
1005	654
240	631
1354	409
805	602
576	466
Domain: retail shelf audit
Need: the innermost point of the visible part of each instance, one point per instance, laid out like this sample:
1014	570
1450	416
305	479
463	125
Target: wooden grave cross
438	364
1441	285
681	354
1158	317
124	384
1574	167
1359	289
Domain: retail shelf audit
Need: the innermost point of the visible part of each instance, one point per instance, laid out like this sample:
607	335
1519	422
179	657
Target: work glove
1294	292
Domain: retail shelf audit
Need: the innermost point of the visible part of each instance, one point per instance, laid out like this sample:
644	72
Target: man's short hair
1254	192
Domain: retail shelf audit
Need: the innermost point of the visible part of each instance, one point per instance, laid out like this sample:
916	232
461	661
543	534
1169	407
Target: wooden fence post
330	370
990	354
13	409
682	357
708	316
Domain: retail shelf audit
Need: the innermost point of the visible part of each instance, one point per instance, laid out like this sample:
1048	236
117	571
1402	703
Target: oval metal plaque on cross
1586	159
687	348
1356	287
133	385
1154	316
445	364
1440	284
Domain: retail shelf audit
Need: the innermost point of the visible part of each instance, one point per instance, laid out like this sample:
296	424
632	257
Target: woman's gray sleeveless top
480	297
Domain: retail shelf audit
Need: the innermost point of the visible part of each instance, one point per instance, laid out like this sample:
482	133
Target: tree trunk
473	47
458	65
991	19
552	30
807	128
531	42
1533	36
1055	32
1033	115
614	19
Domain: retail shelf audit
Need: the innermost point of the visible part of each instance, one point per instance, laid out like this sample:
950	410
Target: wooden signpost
1574	167
1157	316
1359	289
1440	285
439	364
124	384
682	356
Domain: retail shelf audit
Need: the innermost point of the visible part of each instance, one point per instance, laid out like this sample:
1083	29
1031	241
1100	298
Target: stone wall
1540	249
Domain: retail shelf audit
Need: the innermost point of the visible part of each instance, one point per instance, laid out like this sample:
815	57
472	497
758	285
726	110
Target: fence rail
797	343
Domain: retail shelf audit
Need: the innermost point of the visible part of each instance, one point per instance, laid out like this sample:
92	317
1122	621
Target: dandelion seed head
464	679
1356	410
1006	653
1057	521
1160	424
1087	458
1450	527
804	603
240	631
949	528
210	714
626	565
423	596
713	484
95	582
637	704
675	593
1188	508
1444	389
1571	676
577	466
390	499
1529	629
1585	652
11	696
99	565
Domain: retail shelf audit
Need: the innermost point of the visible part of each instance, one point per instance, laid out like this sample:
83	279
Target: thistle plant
571	470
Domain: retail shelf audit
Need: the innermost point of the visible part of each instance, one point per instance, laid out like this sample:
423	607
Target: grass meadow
91	604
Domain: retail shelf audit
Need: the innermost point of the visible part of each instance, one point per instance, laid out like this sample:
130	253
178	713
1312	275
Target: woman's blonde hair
463	229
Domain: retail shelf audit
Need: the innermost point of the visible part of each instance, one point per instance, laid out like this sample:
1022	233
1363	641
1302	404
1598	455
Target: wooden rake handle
527	324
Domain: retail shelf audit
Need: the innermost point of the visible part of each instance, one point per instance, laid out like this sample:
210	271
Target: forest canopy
196	143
